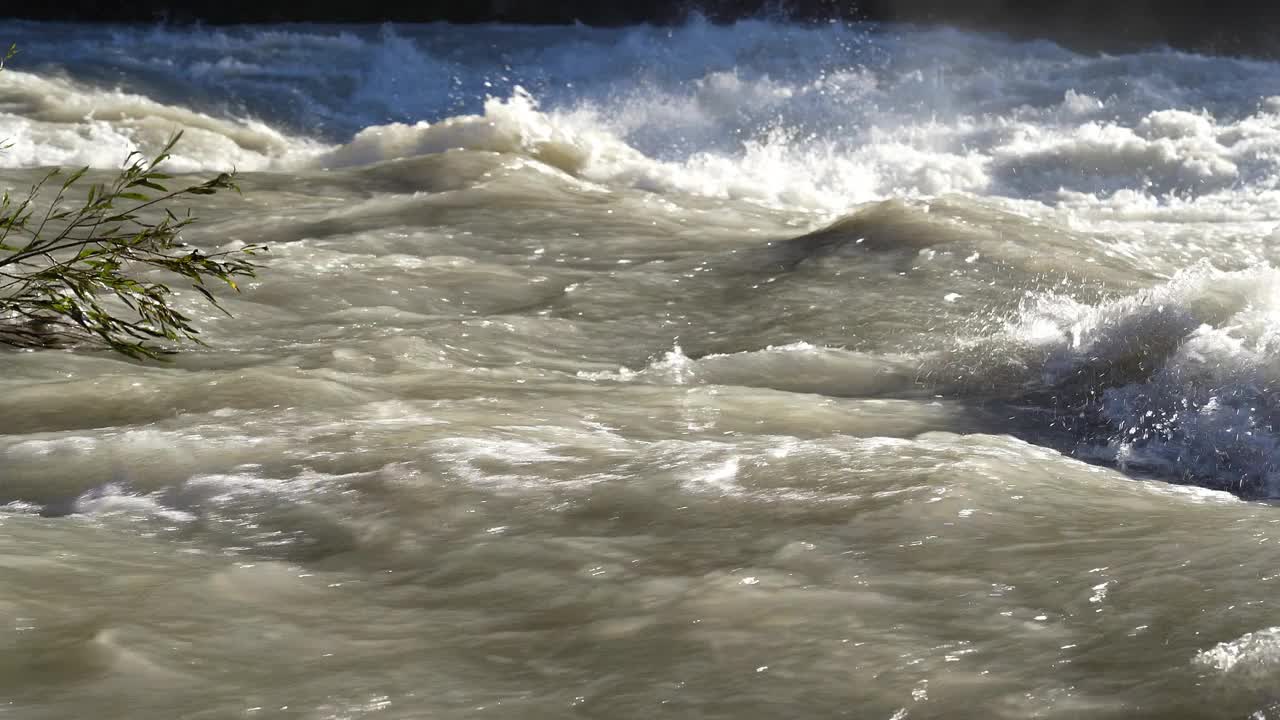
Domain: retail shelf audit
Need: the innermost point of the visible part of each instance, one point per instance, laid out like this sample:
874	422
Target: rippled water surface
758	371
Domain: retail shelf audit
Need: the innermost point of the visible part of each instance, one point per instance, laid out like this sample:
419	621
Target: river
745	371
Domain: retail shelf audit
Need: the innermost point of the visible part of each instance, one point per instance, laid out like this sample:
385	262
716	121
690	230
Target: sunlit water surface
707	372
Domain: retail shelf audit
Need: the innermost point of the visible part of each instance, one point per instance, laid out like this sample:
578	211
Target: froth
809	118
1178	376
56	121
579	144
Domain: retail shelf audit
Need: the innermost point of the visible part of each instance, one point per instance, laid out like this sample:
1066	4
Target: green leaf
148	184
75	275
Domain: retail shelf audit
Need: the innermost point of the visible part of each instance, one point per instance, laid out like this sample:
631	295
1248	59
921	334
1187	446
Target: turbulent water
758	371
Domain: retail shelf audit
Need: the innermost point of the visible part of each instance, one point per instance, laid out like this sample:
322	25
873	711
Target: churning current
748	371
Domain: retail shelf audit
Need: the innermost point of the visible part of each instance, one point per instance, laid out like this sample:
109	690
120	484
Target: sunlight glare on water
746	371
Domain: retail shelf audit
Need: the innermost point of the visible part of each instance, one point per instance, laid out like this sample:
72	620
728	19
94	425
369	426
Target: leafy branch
73	274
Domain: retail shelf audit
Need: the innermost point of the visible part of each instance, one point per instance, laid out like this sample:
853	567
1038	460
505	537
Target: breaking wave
809	118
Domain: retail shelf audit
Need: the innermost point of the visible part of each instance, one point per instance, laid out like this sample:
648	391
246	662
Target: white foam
56	121
1192	360
810	118
1255	653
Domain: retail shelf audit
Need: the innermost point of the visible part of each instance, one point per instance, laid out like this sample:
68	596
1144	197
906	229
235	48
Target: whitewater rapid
818	118
759	370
